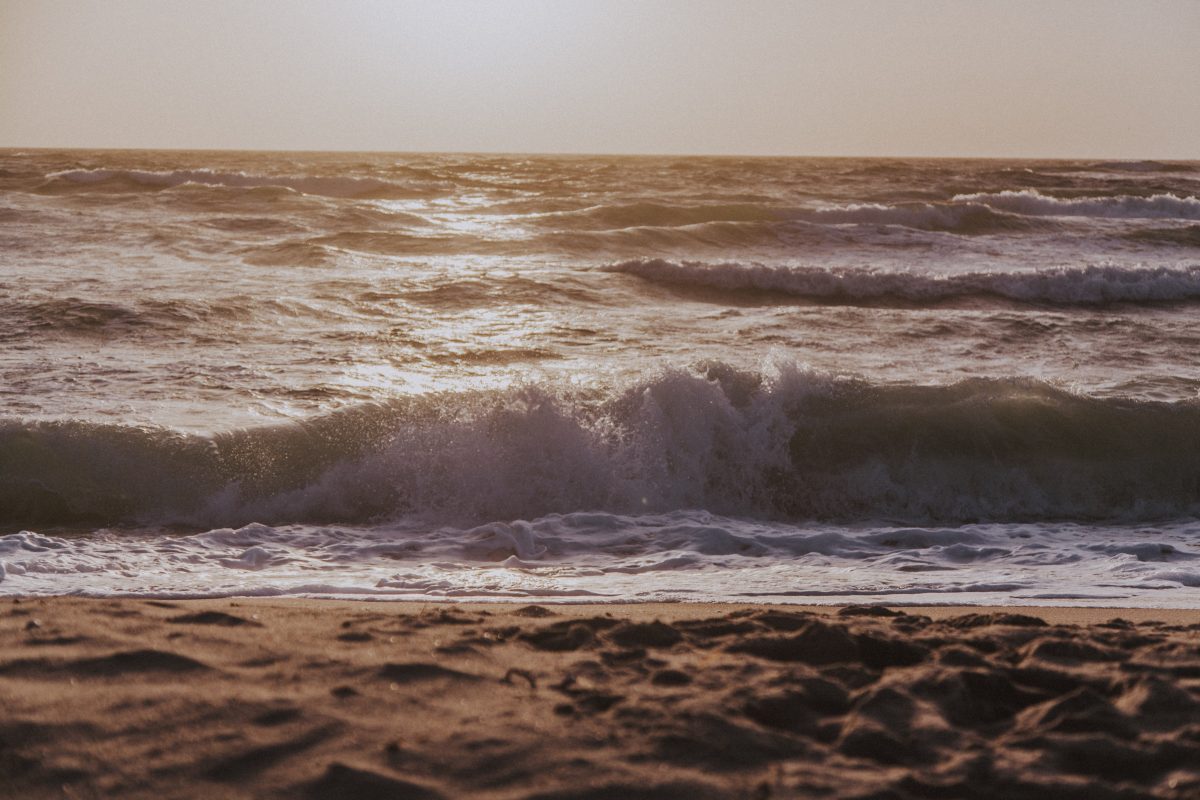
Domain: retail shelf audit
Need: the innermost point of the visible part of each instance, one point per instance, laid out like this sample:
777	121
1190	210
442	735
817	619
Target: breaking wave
789	444
1093	285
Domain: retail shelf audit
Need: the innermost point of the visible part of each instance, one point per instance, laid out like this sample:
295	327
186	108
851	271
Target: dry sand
338	700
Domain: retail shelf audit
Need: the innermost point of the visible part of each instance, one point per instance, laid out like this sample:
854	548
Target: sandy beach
325	699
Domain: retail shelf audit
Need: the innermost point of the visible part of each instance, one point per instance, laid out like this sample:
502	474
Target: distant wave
395	242
791	445
1092	285
1032	202
960	218
125	180
75	315
632	215
167	317
965	219
710	236
965	214
1143	166
788	234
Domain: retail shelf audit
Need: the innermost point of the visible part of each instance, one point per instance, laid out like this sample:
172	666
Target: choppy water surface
599	378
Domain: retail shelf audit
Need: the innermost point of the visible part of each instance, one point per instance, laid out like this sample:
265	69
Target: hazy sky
1089	78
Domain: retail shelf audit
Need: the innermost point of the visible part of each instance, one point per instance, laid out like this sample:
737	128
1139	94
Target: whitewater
591	378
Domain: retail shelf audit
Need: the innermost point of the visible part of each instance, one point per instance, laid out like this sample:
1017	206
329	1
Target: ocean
599	378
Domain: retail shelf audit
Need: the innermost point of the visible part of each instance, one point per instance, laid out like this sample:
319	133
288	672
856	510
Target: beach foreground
319	699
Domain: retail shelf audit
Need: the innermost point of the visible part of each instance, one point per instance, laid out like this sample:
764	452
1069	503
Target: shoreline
684	609
326	699
1055	615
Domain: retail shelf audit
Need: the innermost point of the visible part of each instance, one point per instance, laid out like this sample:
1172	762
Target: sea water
599	378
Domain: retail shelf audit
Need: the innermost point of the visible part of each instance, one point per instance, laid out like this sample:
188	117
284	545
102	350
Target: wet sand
329	700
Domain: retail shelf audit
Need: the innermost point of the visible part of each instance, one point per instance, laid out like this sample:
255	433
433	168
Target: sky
1052	78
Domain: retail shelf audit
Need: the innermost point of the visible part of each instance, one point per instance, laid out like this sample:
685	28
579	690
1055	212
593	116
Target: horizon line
584	154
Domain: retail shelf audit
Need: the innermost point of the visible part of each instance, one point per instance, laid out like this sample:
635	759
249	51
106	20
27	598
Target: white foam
691	555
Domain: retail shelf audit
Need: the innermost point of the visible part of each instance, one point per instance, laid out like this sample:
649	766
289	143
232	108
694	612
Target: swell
636	228
628	242
1143	166
967	213
1034	203
129	180
403	243
631	215
75	315
977	214
43	315
963	218
787	445
1067	286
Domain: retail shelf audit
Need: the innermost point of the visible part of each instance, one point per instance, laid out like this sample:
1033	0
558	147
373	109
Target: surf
790	445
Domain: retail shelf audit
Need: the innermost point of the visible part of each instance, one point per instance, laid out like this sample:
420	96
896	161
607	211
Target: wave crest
786	445
968	219
1092	285
1033	203
634	215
